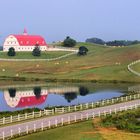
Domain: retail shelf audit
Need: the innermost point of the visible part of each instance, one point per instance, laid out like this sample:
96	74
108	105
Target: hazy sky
80	19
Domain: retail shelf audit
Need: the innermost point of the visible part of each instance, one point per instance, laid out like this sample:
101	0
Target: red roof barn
24	42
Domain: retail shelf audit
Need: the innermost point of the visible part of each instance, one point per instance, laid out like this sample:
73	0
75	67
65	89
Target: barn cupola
25	32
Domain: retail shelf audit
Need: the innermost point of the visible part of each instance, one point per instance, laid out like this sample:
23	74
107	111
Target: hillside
101	63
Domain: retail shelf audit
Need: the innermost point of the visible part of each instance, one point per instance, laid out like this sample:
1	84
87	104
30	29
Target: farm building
24	42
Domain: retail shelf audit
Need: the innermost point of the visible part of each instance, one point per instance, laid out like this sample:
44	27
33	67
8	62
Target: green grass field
28	55
101	63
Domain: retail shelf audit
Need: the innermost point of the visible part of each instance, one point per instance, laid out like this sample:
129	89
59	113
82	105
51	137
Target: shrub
11	52
36	51
82	50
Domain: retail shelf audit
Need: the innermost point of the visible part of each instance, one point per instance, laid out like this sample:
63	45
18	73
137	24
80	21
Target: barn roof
30	40
31	101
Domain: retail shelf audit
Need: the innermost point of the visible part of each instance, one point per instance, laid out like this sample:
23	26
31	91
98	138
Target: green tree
69	42
11	52
36	51
82	50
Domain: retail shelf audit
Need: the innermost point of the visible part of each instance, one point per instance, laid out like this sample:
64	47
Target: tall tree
69	42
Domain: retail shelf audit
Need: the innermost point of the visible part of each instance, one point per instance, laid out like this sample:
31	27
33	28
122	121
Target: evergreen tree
36	51
11	52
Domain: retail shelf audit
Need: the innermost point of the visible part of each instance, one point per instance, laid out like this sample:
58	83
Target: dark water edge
23	79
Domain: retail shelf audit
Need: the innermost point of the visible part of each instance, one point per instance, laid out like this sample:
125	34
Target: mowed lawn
101	63
28	55
82	131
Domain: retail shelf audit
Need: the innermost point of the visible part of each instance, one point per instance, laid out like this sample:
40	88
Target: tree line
112	43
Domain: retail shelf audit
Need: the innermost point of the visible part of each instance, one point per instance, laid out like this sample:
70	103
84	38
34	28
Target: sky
79	19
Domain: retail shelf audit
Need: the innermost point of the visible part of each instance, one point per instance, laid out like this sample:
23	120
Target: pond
19	98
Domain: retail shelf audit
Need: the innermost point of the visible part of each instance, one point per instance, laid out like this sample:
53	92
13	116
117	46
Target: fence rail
68	109
60	121
131	70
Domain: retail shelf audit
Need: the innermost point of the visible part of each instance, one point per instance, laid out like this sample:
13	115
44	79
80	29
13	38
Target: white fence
60	121
131	70
62	110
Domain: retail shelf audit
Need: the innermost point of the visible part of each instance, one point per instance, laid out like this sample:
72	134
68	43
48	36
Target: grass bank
100	64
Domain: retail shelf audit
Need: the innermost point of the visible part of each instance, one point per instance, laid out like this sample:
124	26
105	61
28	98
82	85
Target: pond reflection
13	99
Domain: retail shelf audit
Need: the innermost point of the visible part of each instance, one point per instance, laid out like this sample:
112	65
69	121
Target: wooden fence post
75	109
92	104
3	135
18	117
42	126
11	118
49	124
11	133
53	111
99	113
87	105
107	101
81	106
40	114
33	114
19	130
93	115
27	131
112	101
56	122
126	98
63	110
130	97
3	120
115	110
87	116
62	121
125	108
69	109
81	117
34	127
104	113
25	115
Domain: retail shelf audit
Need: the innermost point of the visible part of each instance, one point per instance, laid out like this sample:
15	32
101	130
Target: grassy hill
101	63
